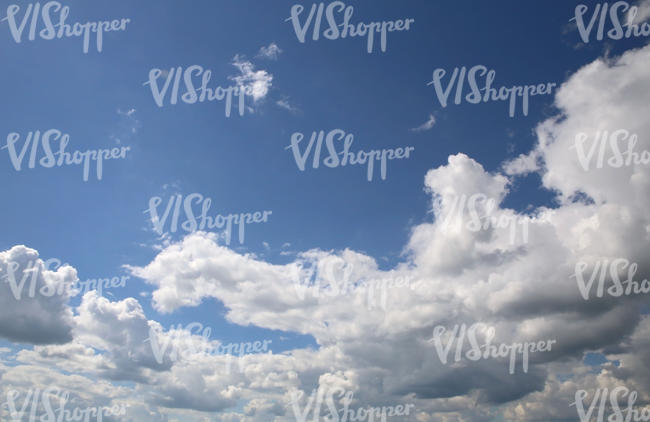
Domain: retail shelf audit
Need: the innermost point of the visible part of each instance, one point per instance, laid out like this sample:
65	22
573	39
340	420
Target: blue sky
241	162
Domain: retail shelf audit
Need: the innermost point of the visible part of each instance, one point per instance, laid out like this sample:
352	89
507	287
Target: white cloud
643	12
426	125
129	112
31	308
602	96
129	125
285	104
524	164
83	392
256	82
523	289
271	52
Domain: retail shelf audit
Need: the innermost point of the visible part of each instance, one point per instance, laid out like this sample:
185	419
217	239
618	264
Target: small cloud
129	124
255	82
271	52
174	186
426	125
284	103
266	246
522	165
126	113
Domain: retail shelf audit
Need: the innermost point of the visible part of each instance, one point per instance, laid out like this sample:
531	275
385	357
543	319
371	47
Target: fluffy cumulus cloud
375	336
34	297
30	392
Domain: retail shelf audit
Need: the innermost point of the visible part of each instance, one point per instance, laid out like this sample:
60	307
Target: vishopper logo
190	225
604	142
98	285
616	413
315	402
192	342
618	288
191	94
33	269
58	30
42	401
333	278
615	15
62	157
486	349
343	29
478	212
480	72
381	157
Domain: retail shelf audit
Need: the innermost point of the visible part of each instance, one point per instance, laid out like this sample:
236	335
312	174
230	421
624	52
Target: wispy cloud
128	125
426	125
271	52
284	103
